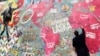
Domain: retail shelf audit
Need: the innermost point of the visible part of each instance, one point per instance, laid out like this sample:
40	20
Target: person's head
76	33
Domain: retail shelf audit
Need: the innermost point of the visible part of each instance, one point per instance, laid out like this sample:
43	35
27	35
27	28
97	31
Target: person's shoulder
74	38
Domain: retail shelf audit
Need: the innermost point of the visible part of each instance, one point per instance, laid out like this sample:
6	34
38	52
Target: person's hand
81	26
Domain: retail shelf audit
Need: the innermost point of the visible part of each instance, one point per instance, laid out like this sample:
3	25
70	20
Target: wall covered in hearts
45	27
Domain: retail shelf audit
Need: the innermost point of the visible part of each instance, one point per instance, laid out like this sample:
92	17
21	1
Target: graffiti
29	16
45	27
91	35
60	25
82	16
95	26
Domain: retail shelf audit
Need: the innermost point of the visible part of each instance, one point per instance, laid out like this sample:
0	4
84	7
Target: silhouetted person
79	44
7	16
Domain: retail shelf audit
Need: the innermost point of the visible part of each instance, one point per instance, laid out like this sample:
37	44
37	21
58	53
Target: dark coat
80	45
